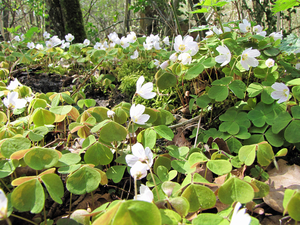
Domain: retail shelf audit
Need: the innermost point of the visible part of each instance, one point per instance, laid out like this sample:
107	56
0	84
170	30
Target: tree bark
73	19
65	17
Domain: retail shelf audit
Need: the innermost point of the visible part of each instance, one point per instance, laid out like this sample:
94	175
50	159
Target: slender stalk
25	219
70	207
198	127
249	76
8	221
93	205
155	186
5	185
45	216
135	188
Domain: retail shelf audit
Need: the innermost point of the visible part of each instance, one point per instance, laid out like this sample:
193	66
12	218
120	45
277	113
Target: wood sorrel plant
246	72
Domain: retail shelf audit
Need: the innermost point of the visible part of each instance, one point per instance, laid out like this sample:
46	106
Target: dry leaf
287	177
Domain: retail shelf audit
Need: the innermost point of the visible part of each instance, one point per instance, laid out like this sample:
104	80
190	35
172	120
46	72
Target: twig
185	122
87	77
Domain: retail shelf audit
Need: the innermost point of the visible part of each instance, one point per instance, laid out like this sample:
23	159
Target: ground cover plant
238	87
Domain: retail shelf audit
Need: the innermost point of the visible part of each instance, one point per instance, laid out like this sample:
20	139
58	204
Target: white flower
135	55
164	65
137	116
39	47
281	92
65	44
270	62
173	57
156	45
30	45
185	45
131	37
98	46
216	30
139	170
69	37
297	66
209	33
145	194
3	204
166	41
17	38
248	58
297	51
46	35
259	30
144	91
140	154
124	42
22	37
240	217
86	42
114	38
227	29
49	44
156	63
276	35
13	85
245	26
12	101
225	55
55	40
110	114
185	58
147	46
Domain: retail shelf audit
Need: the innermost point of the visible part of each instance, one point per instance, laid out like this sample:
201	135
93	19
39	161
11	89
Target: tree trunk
5	19
73	19
55	19
65	17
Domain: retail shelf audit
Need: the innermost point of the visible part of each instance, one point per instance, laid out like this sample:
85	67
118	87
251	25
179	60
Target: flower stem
155	186
22	218
135	188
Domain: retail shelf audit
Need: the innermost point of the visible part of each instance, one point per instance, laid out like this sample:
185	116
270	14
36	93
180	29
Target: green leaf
168	216
265	154
147	138
209	219
181	205
199	197
194	71
29	196
98	154
61	110
247	154
115	173
43	117
257	118
234	145
209	62
276	140
68	159
271	51
203	101
119	132
14	144
254	89
164	132
291	133
219	93
238	88
220	166
130	212
84	180
7	167
166	80
178	152
87	102
235	190
41	158
283	120
54	186
292	206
